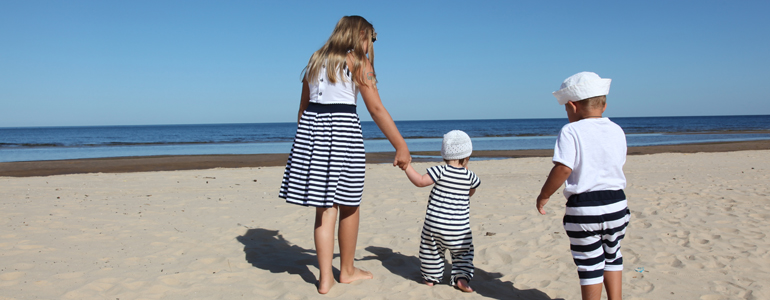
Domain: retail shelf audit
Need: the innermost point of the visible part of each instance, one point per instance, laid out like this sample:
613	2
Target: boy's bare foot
428	283
325	285
462	284
358	274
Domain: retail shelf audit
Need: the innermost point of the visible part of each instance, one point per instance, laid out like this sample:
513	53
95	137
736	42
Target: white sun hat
456	145
581	86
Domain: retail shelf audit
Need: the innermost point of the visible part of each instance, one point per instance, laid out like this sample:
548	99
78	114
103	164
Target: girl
326	165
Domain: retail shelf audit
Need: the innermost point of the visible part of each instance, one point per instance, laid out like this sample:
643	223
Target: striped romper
327	161
447	224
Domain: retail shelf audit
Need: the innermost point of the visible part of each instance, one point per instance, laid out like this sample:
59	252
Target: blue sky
71	63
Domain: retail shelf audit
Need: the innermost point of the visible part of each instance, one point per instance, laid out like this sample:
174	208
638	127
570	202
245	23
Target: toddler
447	219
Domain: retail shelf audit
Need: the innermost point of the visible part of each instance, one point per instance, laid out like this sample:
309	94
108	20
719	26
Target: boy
589	154
447	219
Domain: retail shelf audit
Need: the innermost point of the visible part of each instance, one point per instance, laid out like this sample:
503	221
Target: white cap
456	145
582	86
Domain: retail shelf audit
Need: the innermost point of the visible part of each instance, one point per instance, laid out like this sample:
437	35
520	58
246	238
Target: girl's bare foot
357	274
462	284
325	285
428	283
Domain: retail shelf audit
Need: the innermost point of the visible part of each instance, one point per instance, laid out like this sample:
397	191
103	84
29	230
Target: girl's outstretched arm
381	116
417	179
304	99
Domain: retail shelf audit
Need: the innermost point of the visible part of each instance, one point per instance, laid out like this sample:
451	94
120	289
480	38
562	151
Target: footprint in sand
640	286
545	283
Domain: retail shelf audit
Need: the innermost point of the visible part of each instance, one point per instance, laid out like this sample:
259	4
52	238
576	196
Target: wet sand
199	162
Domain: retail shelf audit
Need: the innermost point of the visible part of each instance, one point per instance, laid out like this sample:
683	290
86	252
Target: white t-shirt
595	150
344	91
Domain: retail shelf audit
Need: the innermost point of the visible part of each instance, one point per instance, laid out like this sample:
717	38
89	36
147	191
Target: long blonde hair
345	38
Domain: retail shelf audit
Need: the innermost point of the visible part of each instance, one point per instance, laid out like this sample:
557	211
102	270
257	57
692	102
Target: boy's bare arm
417	179
559	174
473	191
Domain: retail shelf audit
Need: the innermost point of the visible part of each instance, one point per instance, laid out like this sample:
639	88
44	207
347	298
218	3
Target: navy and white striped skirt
327	161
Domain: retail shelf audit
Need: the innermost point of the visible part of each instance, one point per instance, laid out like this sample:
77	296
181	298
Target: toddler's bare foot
462	284
357	274
428	283
325	285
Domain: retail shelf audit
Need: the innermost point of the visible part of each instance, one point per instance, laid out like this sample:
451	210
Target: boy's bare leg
591	292
462	284
348	236
613	282
325	221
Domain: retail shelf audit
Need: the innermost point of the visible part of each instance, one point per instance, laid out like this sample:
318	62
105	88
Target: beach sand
698	231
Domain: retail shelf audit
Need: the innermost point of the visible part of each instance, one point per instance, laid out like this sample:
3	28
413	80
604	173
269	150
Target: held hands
403	159
541	201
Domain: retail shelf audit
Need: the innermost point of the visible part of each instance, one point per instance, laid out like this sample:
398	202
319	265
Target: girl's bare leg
348	236
325	221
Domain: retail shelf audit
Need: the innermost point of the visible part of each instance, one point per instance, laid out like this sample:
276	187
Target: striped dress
447	224
327	160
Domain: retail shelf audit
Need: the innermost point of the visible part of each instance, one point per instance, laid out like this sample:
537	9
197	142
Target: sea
58	143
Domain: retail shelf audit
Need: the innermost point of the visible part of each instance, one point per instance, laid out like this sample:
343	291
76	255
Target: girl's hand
403	159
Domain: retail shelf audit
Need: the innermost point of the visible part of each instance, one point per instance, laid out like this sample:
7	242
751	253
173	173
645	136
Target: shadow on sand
268	250
485	283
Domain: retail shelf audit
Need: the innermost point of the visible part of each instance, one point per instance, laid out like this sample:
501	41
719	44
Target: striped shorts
596	223
327	161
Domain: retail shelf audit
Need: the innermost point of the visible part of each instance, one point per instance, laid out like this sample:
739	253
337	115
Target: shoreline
198	162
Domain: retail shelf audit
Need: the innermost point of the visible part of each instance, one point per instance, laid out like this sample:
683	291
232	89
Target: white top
344	91
595	150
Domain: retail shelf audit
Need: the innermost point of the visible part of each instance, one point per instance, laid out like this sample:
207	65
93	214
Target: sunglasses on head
374	37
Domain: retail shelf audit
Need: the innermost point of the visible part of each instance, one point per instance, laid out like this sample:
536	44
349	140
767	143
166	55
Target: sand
698	231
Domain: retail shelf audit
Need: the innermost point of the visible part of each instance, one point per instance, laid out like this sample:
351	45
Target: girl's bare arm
381	116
